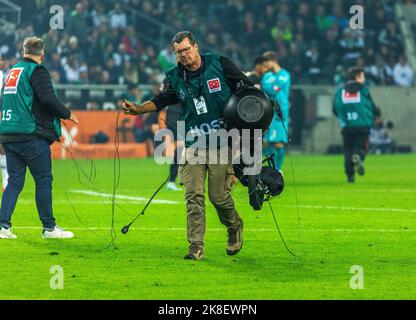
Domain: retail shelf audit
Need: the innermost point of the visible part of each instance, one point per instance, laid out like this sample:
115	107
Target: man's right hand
129	107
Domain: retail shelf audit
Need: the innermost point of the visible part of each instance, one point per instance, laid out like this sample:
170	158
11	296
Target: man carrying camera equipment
202	84
355	110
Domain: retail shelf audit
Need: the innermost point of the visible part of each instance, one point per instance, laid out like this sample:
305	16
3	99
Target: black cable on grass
275	221
116	181
280	234
90	179
80	170
293	173
79	218
126	228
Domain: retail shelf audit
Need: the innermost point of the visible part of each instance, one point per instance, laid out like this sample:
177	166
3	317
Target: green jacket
17	116
354	106
202	116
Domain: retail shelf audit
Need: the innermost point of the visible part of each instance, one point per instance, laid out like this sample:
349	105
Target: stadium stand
108	46
102	41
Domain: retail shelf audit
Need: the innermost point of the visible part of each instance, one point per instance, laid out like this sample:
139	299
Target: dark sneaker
235	239
350	179
196	252
358	164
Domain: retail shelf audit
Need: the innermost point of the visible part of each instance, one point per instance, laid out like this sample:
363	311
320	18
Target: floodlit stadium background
106	51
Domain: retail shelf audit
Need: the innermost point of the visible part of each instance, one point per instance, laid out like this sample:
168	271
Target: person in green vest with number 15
29	124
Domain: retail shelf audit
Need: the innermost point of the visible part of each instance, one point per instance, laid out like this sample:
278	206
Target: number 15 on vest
6	115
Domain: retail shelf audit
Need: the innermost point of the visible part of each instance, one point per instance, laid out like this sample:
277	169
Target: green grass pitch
371	224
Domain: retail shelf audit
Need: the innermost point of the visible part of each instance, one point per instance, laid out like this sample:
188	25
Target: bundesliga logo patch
12	81
214	85
351	97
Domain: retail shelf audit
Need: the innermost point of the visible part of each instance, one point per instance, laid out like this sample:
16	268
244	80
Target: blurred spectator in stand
166	58
337	16
389	64
377	72
83	74
74	49
78	22
304	13
133	93
130	73
294	60
56	65
98	15
131	42
104	77
352	45
330	51
269	15
121	56
391	38
94	74
115	73
51	40
322	21
340	76
72	69
56	77
313	64
118	19
62	47
96	32
282	32
381	137
403	73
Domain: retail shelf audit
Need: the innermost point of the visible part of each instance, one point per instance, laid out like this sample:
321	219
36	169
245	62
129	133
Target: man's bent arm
147	106
133	109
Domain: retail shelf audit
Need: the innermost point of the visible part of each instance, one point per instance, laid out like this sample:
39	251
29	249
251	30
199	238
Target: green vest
16	110
201	118
354	110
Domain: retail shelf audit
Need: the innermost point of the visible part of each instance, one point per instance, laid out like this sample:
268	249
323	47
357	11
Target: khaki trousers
193	175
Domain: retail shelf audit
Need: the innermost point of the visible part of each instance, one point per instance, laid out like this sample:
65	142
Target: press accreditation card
200	105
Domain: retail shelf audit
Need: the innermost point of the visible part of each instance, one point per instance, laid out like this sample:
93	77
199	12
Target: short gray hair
182	35
33	46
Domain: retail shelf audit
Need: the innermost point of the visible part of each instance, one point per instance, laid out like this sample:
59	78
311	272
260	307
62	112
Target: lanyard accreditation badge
200	105
198	99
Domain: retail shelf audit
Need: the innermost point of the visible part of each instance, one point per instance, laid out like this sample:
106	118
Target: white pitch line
351	208
32	202
246	230
121	196
140	200
382	190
